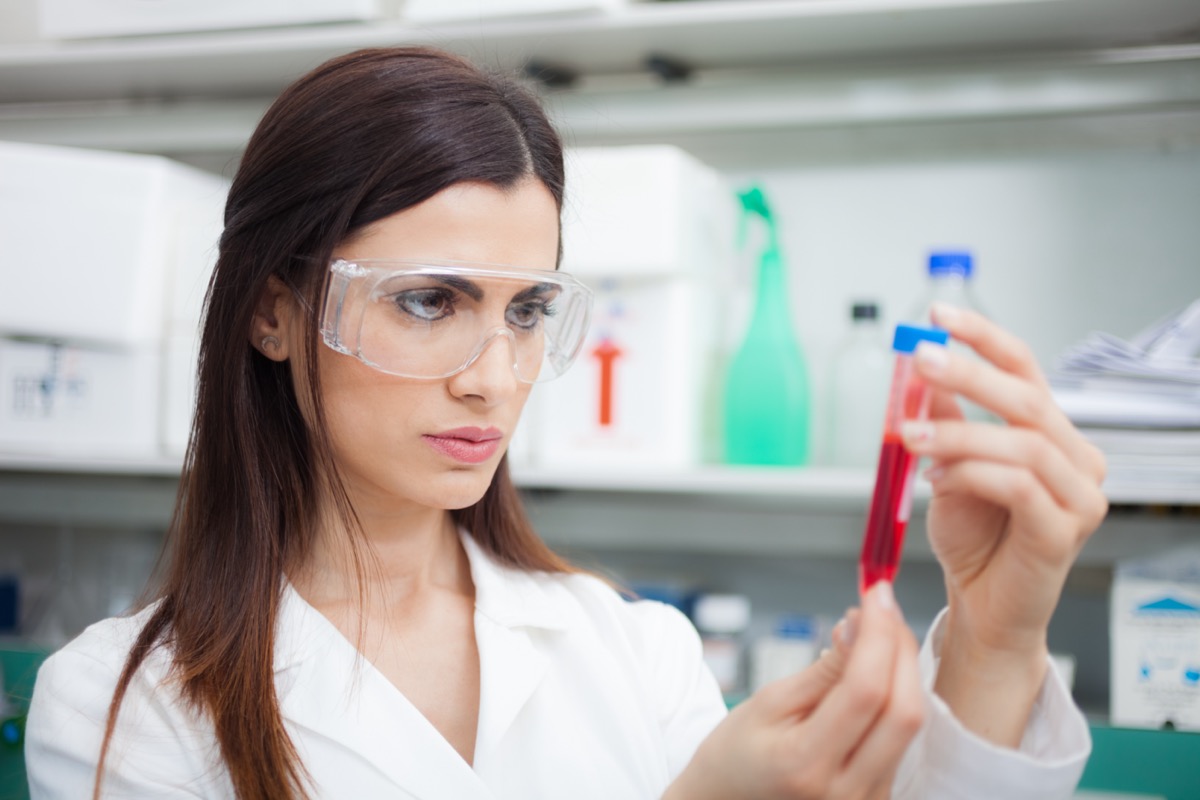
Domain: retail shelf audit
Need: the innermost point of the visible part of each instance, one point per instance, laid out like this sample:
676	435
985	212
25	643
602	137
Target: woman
355	604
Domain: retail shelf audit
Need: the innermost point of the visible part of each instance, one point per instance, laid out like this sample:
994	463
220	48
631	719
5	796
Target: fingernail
917	431
849	632
944	315
825	651
934	473
882	596
932	356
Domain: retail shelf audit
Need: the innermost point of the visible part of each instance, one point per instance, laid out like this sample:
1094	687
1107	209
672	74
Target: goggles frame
351	285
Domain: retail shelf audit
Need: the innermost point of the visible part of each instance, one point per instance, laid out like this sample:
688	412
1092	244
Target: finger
1020	447
852	705
991	341
873	765
1010	354
800	693
942	405
1017	400
1021	494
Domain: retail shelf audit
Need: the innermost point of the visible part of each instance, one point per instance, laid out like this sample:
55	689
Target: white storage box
642	226
79	19
63	400
109	256
93	241
435	11
1155	637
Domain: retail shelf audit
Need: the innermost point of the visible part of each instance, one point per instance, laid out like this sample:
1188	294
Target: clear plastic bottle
950	275
862	367
950	282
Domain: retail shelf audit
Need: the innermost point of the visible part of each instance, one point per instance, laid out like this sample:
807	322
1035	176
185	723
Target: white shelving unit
718	34
759	66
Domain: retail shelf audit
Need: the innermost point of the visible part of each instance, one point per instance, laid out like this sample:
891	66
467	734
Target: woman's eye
529	315
427	305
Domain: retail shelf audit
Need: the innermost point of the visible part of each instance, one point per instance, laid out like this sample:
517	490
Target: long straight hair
359	138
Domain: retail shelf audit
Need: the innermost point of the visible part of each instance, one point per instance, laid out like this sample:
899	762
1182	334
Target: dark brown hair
359	138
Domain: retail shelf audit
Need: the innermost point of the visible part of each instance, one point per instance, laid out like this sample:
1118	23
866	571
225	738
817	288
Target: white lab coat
583	696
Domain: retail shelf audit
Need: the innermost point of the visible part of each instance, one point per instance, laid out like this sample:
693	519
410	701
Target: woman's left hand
1012	507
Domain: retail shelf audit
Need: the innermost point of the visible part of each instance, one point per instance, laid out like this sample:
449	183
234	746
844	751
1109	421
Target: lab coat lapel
511	667
326	688
517	615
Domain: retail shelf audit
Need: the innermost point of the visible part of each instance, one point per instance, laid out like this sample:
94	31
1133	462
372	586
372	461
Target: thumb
799	694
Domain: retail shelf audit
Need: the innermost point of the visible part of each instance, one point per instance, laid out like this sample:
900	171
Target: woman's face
401	442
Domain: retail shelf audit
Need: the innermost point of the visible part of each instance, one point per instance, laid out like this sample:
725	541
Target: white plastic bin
645	228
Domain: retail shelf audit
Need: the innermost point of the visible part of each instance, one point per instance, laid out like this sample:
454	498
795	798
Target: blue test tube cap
944	262
909	336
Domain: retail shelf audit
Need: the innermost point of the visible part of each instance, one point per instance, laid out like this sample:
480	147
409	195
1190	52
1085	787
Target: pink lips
468	445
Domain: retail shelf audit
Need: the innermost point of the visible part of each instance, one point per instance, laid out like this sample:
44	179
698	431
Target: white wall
1064	244
18	21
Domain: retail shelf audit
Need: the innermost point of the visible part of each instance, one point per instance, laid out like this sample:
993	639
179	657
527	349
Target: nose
491	376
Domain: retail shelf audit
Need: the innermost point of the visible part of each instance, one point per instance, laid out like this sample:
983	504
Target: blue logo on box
1167	606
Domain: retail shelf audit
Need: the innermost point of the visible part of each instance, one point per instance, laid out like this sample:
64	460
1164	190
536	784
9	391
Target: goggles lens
422	320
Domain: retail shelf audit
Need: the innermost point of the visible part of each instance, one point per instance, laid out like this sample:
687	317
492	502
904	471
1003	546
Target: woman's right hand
835	731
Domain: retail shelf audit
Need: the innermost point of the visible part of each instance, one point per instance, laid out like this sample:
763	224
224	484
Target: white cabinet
773	83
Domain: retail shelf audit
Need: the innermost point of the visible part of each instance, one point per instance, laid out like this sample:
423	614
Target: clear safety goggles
432	320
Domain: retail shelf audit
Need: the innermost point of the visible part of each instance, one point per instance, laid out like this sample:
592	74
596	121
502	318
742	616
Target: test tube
908	399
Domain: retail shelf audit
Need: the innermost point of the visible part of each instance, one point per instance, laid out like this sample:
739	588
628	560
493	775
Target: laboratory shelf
719	510
716	34
814	486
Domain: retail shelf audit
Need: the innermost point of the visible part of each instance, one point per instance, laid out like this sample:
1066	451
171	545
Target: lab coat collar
326	686
516	598
508	596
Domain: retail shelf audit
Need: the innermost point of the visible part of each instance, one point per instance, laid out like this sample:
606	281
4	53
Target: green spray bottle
766	397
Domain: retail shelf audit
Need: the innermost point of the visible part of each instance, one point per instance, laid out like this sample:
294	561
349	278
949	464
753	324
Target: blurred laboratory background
750	183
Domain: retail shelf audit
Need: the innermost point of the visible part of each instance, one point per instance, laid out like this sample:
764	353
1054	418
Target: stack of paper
1139	401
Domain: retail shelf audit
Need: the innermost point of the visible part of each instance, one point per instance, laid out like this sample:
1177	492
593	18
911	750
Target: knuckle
908	719
1099	463
1023	354
1037	448
1031	406
1099	510
810	782
1023	487
866	698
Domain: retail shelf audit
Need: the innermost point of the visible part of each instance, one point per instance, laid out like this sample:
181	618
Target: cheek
365	411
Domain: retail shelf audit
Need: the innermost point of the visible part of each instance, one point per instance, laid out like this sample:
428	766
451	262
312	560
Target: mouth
466	445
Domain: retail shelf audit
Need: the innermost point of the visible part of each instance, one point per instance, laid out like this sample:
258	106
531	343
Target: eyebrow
472	290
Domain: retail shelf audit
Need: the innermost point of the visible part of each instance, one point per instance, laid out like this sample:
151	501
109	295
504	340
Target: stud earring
269	341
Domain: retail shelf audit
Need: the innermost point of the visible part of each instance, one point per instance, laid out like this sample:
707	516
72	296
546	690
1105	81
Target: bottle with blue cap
951	274
951	281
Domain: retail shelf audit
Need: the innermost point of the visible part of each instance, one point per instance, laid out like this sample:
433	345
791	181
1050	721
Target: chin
461	488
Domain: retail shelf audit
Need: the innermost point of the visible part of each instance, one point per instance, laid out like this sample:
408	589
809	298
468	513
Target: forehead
471	222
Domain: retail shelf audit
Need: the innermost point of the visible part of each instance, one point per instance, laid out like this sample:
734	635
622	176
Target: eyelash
447	298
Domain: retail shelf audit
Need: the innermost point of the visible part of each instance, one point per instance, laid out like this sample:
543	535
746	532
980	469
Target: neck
393	555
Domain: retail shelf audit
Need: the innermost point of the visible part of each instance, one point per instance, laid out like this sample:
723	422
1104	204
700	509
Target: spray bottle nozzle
754	203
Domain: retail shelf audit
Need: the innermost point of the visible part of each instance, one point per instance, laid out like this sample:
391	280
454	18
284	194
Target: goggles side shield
432	320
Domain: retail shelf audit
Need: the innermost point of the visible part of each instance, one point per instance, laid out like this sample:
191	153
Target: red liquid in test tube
891	503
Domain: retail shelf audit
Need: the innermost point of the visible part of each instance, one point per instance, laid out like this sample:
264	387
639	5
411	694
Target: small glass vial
861	368
722	620
908	399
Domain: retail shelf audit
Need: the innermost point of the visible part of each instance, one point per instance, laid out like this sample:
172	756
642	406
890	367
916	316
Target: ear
273	329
